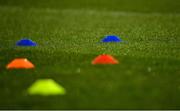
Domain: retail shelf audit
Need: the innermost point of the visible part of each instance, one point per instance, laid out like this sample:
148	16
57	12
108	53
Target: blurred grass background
164	6
68	32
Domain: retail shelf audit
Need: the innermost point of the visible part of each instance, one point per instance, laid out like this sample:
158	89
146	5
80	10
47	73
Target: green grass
68	35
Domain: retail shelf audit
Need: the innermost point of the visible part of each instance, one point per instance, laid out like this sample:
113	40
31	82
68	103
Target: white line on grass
85	11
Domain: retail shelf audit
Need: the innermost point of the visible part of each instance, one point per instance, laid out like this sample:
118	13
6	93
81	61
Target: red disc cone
20	63
105	59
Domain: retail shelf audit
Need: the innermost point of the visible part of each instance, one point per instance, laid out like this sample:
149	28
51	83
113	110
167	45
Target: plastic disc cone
46	87
105	59
111	38
20	63
26	42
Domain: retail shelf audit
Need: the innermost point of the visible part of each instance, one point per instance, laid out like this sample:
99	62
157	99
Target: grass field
68	33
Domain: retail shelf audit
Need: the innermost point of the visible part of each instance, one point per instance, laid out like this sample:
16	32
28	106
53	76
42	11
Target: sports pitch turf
68	35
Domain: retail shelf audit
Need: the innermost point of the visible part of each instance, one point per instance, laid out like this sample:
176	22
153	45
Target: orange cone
105	59
20	63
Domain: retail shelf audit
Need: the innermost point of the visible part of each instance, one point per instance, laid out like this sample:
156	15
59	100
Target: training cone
26	42
111	38
46	87
20	63
105	59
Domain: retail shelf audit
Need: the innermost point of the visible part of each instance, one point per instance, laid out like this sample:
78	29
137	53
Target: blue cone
111	38
26	42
